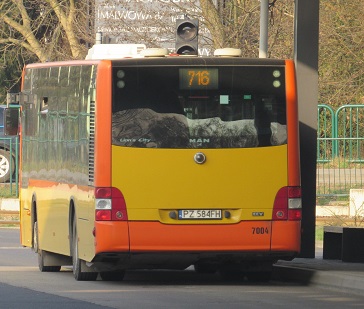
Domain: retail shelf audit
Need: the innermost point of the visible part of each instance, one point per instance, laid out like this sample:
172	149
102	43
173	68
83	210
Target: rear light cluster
110	204
288	204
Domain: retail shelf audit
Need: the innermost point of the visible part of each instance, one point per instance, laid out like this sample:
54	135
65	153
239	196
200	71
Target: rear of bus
204	165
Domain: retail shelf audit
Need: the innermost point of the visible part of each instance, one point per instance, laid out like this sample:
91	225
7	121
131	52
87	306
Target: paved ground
333	274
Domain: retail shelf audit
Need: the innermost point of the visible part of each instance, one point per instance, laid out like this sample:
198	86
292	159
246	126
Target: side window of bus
44	105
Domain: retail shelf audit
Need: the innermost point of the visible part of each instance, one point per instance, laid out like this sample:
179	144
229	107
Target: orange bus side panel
153	236
103	124
292	125
286	236
111	237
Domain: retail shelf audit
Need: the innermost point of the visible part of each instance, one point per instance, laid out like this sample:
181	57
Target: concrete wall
356	202
9	204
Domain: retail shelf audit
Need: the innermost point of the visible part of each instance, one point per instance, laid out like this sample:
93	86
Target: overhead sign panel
149	22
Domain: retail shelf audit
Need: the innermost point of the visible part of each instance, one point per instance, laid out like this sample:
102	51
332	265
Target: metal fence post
323	153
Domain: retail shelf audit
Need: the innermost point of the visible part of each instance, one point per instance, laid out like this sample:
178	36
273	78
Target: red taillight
294	214
287	204
294	192
110	205
103	192
103	215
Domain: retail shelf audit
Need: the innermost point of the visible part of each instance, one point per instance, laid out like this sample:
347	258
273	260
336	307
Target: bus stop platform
333	274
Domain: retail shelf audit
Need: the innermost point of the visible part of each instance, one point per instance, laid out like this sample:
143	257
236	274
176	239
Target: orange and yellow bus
160	163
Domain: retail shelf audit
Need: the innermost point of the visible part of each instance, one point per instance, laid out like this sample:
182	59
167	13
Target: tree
47	29
9	77
41	30
341	59
63	29
224	23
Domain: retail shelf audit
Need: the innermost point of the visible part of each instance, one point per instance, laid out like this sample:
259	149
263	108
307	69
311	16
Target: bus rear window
217	107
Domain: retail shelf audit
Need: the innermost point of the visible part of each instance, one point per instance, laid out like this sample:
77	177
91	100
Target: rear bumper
263	238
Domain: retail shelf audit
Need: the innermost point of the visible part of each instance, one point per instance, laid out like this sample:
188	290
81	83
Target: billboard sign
149	22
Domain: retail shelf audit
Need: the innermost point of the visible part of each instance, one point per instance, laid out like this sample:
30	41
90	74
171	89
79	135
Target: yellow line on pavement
18	268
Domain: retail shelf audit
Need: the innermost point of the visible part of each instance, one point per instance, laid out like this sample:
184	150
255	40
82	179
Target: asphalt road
23	286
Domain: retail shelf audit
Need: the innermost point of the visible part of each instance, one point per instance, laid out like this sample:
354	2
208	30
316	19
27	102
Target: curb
345	281
10	204
293	274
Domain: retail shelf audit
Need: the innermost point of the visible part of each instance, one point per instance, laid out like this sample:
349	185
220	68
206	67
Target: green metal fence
340	149
9	166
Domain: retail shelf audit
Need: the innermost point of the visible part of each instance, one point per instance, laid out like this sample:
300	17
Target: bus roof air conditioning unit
115	51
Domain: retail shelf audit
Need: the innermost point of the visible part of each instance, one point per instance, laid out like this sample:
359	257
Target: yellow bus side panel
52	218
26	228
53	210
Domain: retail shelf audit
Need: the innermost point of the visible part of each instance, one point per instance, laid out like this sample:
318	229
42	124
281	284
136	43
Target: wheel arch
34	215
71	220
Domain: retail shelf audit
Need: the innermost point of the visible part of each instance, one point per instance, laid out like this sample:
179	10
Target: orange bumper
246	236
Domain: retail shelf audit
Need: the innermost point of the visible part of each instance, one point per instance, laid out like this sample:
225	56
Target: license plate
200	214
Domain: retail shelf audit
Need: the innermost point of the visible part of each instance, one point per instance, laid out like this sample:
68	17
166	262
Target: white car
7	151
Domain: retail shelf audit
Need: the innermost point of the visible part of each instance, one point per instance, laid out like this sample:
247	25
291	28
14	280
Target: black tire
231	272
76	261
112	275
41	253
202	268
231	275
6	160
262	276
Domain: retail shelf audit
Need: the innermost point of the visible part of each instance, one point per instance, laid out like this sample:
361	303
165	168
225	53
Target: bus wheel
42	254
112	275
78	263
